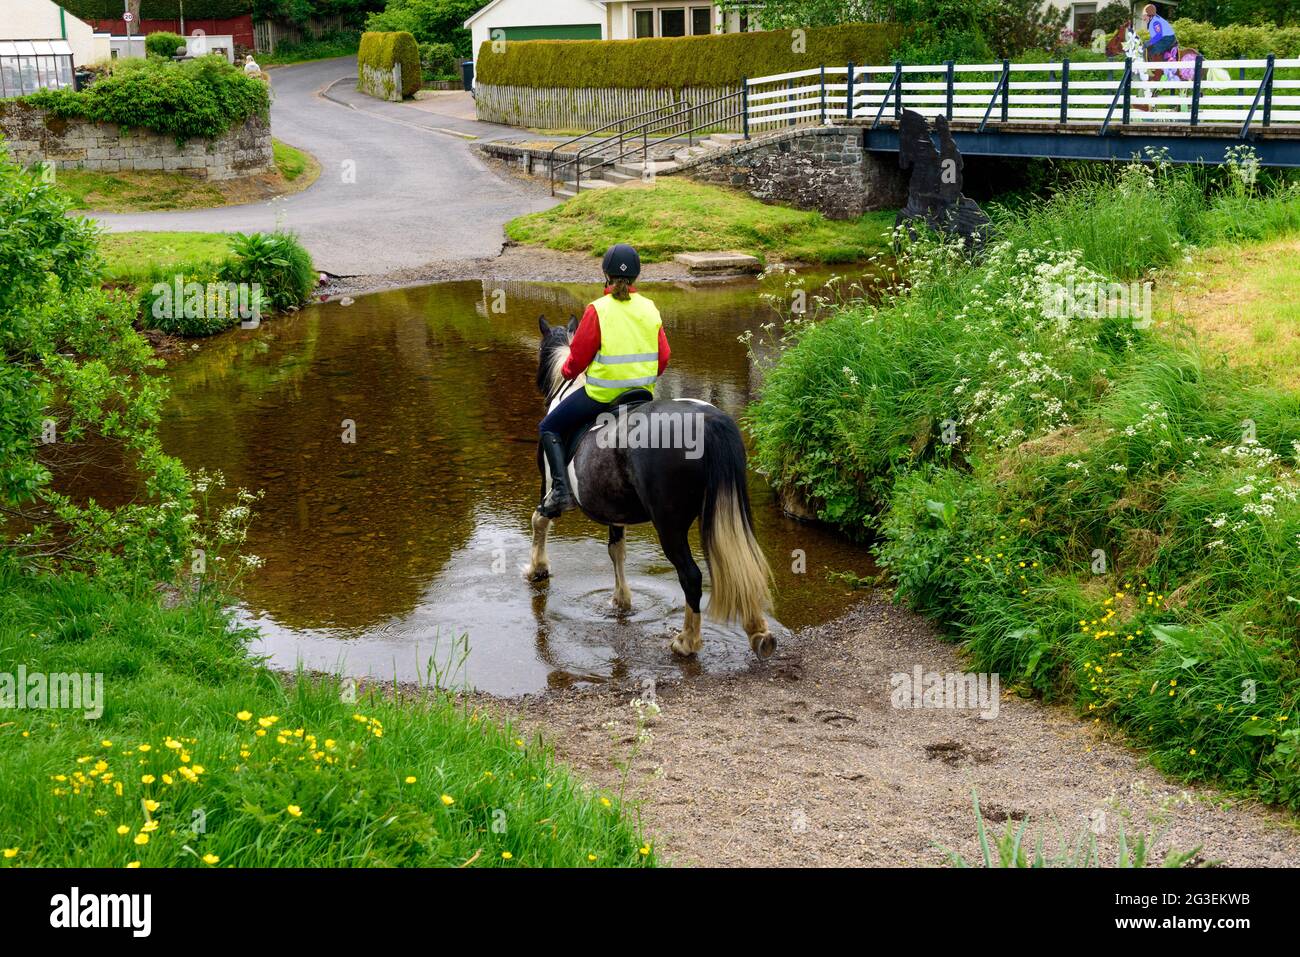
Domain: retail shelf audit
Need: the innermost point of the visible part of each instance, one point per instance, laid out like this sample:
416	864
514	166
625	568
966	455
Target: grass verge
676	215
203	758
1240	303
143	258
143	191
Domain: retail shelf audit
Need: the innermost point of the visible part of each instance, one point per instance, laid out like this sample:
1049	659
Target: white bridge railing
1189	93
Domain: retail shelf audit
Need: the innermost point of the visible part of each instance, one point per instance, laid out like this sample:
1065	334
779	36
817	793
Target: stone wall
811	167
32	136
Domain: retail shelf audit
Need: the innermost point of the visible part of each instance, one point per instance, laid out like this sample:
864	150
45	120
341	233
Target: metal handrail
885	99
645	129
686	109
600	129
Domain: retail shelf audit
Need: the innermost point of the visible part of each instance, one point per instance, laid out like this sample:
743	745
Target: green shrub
1237	41
438	61
203	97
197	304
162	9
677	62
73	370
277	262
380	51
163	44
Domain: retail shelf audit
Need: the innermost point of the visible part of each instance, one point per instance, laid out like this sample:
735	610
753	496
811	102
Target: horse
619	479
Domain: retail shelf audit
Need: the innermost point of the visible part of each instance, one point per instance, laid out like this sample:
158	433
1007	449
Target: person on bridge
620	345
1161	43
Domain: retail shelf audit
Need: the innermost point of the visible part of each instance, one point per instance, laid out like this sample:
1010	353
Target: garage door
563	31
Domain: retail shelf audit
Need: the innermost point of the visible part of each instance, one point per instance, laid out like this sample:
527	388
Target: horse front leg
539	567
622	600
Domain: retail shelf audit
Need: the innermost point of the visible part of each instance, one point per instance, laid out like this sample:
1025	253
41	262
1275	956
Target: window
701	21
1085	15
645	23
672	22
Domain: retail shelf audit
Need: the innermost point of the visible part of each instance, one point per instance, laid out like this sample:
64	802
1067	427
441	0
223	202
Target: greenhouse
30	65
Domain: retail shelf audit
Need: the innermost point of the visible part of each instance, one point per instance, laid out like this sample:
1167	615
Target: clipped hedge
1237	40
380	51
675	62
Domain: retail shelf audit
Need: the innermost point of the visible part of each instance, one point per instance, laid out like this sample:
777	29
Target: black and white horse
697	473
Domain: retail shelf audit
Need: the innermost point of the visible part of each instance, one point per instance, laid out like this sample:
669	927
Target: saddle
631	398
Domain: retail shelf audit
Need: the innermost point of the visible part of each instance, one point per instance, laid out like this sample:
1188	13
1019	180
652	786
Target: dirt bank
803	761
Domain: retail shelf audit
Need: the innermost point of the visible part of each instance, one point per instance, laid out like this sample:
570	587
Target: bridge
1192	111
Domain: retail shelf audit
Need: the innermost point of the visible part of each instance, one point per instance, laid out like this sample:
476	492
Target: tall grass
1097	511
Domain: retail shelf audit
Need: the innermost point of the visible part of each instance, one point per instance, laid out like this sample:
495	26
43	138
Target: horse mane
555	352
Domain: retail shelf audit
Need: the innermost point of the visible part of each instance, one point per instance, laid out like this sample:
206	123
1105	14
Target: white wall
535	13
39	20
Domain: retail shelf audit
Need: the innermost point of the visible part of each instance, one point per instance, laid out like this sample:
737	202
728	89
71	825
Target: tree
429	21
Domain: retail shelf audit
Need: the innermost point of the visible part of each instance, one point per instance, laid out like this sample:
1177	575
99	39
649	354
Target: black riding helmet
621	262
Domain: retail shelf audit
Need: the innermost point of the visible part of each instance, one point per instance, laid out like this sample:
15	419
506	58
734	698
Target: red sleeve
664	352
584	345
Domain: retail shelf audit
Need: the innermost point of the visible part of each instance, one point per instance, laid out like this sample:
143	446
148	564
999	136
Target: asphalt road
399	189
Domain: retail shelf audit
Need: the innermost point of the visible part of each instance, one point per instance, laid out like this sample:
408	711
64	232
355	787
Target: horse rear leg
678	549
622	600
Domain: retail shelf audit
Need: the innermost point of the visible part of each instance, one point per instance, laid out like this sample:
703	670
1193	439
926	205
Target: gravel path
400	188
803	761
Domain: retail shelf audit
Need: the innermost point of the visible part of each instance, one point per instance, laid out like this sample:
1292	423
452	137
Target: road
399	189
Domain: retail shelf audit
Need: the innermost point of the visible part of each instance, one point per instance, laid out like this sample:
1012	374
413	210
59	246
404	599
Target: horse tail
739	571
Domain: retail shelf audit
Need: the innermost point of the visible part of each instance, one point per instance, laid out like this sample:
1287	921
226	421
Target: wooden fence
267	34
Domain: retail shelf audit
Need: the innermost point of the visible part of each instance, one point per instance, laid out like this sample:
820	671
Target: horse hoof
763	644
682	645
537	574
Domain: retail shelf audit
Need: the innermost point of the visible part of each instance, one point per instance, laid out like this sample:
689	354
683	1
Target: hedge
203	97
1237	41
676	62
380	51
159	9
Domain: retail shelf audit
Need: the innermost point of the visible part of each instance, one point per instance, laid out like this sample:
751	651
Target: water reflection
377	553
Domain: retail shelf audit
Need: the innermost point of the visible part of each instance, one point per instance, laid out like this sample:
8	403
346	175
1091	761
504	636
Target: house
600	20
47	22
1082	15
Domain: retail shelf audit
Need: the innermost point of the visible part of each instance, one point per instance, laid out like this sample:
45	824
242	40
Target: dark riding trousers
573	413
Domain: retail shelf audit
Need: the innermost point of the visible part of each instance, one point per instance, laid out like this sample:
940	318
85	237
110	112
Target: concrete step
636	170
723	140
570	188
719	263
614	176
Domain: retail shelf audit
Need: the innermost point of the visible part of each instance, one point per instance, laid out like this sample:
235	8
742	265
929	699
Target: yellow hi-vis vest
629	347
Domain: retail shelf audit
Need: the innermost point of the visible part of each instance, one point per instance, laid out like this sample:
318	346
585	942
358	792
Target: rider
620	345
1162	39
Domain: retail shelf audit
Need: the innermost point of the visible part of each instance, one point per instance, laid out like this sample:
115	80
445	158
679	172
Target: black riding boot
558	497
